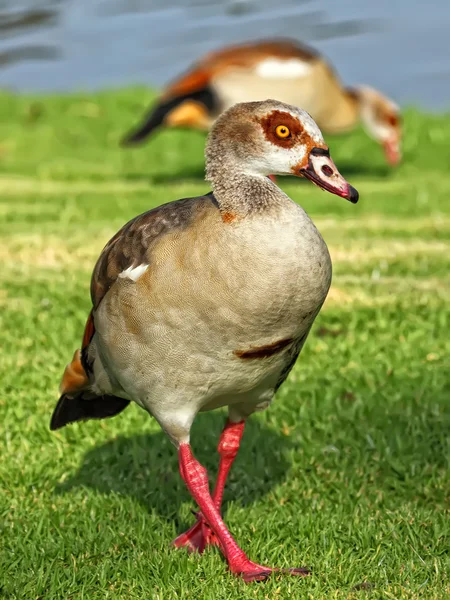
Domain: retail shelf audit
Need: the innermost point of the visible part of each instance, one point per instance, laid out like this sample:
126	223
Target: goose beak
322	171
392	151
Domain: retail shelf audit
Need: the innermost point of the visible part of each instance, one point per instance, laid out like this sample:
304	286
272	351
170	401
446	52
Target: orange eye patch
283	129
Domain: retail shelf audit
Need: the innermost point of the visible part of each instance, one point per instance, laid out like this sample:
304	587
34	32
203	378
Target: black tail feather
84	406
151	121
156	116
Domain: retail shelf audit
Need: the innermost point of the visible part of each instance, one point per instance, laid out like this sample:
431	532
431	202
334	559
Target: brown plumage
288	70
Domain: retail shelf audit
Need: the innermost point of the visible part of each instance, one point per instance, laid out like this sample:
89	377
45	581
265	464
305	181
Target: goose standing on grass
292	72
206	302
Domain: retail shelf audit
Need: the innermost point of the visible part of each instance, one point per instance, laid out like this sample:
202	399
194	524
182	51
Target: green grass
348	470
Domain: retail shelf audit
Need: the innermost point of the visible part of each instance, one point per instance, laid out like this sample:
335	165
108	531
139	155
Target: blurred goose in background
207	302
284	69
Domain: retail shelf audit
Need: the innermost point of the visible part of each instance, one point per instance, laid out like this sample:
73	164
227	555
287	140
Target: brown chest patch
228	217
263	351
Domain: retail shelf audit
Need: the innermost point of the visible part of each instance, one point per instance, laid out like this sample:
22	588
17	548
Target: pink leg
273	178
196	479
200	535
228	447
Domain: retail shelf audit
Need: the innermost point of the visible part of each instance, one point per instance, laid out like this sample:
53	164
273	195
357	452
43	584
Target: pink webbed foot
250	571
197	537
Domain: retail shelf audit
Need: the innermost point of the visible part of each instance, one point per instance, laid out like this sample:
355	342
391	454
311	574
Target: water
398	46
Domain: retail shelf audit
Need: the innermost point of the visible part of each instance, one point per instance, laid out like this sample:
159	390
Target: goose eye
393	120
282	131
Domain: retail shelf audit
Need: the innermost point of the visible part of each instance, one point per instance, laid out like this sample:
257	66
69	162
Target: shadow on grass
399	448
145	466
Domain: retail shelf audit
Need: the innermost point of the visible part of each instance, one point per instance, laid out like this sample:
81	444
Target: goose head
272	138
382	121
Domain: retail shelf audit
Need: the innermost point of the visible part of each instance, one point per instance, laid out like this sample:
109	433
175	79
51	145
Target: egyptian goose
286	69
206	302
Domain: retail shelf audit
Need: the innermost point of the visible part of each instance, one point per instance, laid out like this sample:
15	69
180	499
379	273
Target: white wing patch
274	68
133	273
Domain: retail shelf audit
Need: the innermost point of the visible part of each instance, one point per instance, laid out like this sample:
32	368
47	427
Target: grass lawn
347	472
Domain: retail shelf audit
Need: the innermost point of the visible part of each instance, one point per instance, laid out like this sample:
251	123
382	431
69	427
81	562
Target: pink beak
392	151
322	171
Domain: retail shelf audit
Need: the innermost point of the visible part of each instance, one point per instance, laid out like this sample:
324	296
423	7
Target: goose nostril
326	170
